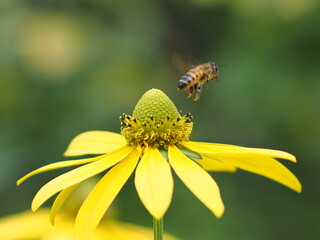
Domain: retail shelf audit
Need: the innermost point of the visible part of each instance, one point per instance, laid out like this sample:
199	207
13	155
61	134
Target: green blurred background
73	66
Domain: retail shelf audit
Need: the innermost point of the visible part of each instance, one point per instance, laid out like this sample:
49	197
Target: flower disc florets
156	121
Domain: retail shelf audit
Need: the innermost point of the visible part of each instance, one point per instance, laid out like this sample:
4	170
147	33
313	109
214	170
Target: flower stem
158	228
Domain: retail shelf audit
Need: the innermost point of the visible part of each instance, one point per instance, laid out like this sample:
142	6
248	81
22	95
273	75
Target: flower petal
78	175
200	183
231	151
95	142
154	182
56	165
210	164
259	161
59	201
265	166
100	198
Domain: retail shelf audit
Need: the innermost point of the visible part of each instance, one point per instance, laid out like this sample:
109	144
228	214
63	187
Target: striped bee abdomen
188	79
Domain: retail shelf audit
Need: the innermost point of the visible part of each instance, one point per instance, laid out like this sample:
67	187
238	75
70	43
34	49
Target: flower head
155	122
154	140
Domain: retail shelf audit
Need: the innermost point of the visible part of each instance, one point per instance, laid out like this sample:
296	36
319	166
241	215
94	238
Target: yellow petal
210	164
265	166
259	161
154	182
221	150
58	202
100	198
95	142
78	175
197	180
56	165
25	225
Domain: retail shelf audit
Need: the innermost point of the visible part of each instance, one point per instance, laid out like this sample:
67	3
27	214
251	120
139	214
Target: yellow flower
152	141
35	226
29	226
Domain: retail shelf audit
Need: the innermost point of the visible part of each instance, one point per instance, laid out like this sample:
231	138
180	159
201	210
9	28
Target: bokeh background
71	66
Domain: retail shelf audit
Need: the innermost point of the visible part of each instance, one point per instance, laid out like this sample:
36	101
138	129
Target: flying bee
196	77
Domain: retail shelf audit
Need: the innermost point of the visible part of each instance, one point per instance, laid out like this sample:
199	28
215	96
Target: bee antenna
222	65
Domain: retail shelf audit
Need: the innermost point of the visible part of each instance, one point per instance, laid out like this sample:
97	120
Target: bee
196	77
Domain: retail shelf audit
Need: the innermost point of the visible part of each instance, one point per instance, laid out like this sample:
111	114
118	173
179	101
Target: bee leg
206	79
191	90
198	91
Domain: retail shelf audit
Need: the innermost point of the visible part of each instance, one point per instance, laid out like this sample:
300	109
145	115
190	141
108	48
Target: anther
151	117
135	120
178	119
168	117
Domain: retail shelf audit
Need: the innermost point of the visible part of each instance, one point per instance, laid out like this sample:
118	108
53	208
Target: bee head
215	67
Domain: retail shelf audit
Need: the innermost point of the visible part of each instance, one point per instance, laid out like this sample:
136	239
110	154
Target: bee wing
192	61
183	63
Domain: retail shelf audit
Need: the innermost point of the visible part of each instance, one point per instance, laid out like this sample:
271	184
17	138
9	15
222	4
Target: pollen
156	122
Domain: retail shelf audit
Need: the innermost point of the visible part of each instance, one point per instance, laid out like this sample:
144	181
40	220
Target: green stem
158	228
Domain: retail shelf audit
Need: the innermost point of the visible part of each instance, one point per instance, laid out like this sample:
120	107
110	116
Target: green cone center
156	103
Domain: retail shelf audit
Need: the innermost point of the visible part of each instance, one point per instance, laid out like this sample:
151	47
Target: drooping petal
154	182
56	165
210	164
102	195
78	175
59	201
200	183
231	151
259	161
95	142
265	166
